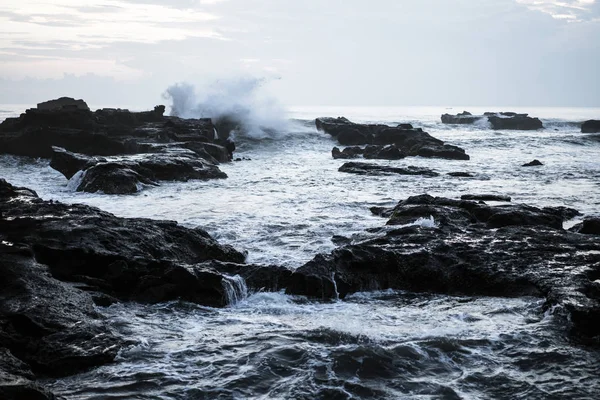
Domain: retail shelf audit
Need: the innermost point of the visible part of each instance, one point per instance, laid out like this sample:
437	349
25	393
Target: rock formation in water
502	120
165	148
380	152
460	247
58	260
591	126
410	141
361	168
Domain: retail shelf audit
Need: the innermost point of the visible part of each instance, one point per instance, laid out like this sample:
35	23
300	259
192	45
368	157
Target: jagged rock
485	197
589	226
463	118
461	247
533	163
591	126
348	152
502	120
63	103
410	141
126	175
374	169
389	152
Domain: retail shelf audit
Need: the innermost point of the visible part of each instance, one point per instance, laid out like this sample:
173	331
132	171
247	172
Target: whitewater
285	202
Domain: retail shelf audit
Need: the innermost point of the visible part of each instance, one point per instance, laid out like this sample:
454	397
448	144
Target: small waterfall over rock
335	288
235	289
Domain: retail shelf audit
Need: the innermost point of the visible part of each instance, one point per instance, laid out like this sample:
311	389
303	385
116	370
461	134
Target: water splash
239	107
75	181
235	289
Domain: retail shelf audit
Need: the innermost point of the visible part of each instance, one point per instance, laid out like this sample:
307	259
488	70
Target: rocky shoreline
61	263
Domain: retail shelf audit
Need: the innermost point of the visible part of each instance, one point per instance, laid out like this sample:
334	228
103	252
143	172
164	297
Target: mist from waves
243	101
379	345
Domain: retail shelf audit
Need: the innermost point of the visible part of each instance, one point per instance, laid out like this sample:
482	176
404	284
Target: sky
307	53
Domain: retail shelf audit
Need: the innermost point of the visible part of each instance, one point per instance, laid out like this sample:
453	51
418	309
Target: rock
502	120
389	152
465	248
348	152
591	126
589	226
126	175
515	122
409	141
461	174
69	163
485	197
374	169
533	163
63	103
463	118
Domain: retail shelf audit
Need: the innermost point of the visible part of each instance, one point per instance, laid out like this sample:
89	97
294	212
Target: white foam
75	181
243	100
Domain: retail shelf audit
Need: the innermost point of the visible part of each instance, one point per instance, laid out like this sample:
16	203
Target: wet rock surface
463	247
591	126
127	174
485	197
389	152
361	168
534	163
498	120
410	141
58	260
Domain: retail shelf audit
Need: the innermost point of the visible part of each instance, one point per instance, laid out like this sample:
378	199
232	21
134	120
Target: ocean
283	204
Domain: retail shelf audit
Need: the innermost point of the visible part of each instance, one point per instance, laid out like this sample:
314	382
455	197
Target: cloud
102	22
570	10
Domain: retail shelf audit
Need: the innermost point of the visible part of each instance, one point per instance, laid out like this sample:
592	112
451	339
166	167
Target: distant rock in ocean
534	163
408	140
63	103
501	120
591	126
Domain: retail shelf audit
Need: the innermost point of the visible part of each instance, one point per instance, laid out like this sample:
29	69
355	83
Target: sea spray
235	289
239	107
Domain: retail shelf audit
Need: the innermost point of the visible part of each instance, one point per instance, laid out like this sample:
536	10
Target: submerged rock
409	141
462	247
485	197
374	169
389	152
591	126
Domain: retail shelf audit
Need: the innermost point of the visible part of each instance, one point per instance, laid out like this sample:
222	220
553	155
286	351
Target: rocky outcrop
410	141
374	169
502	120
126	175
591	126
58	260
589	226
463	118
534	163
105	132
63	103
467	248
390	152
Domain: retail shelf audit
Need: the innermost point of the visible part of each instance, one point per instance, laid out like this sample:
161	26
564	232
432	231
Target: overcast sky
311	52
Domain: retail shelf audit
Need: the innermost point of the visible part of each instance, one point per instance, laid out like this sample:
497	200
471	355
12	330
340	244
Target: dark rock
410	141
503	120
467	248
589	226
405	126
461	174
533	163
511	121
63	103
126	175
348	152
374	169
463	118
69	163
389	152
485	197
591	126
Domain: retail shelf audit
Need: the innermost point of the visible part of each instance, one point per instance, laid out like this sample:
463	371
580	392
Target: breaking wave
238	107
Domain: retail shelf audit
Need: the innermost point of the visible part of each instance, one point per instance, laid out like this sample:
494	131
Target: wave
238	107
